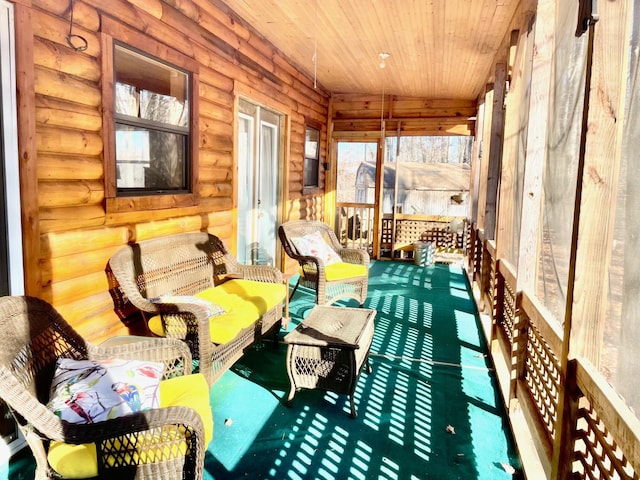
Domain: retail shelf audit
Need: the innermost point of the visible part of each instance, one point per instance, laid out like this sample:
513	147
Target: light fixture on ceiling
383	59
315	50
382	56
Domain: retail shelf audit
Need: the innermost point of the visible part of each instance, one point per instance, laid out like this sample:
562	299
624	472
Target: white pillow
83	391
314	245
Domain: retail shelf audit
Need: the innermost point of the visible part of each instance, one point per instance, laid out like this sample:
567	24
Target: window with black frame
311	172
152	125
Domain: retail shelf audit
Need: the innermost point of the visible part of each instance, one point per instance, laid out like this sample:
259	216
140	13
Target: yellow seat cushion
222	328
79	461
262	295
342	271
244	302
189	391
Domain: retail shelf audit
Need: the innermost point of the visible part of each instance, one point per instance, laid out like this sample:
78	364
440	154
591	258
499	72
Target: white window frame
10	144
11	185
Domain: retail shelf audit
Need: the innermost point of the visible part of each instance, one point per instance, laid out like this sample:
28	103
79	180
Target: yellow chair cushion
261	295
222	328
244	302
189	391
342	271
79	461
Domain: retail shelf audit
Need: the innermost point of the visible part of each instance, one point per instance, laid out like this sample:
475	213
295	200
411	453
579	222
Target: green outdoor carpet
430	408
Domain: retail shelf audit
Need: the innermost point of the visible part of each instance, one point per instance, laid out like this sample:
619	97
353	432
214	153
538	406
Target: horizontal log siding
359	114
77	235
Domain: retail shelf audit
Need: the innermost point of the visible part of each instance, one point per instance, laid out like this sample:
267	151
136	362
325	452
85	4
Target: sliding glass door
259	131
11	270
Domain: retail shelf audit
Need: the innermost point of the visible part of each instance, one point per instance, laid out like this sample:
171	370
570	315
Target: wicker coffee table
328	350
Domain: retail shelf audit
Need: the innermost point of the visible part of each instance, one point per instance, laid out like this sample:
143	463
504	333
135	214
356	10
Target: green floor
430	408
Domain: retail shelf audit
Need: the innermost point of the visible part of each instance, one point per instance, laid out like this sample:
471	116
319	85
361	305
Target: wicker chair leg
293	292
275	334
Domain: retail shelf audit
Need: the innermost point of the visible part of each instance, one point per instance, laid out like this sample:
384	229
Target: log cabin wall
69	234
361	115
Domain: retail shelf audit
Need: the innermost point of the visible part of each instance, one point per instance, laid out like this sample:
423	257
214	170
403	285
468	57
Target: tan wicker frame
313	269
34	336
186	264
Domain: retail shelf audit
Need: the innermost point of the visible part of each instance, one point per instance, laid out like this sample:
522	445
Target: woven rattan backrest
300	228
181	264
33	337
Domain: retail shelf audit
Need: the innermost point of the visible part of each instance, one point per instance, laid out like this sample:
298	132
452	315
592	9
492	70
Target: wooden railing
356	228
355	225
402	230
579	427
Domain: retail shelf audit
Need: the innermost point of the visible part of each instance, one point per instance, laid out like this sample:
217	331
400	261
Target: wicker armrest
79	433
118	439
352	255
174	353
189	322
305	260
261	273
312	267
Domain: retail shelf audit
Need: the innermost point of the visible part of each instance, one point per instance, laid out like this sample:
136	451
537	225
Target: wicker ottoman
328	350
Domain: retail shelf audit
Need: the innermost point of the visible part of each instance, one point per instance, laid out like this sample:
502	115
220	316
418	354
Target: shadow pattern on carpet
430	408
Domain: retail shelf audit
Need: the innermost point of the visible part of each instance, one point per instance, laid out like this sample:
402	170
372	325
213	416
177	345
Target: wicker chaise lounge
169	279
167	442
347	277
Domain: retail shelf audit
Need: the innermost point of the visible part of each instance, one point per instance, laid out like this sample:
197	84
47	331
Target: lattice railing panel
409	232
509	315
542	377
477	254
489	279
596	454
387	233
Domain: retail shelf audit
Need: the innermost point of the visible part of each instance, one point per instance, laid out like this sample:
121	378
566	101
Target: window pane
310	172
149	159
151	104
311	157
312	138
150	89
356	172
433	175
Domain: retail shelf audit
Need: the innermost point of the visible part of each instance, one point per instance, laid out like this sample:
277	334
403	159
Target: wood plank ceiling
439	49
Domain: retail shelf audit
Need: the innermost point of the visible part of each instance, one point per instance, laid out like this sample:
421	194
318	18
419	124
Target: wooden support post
495	154
483	156
568	417
536	145
25	79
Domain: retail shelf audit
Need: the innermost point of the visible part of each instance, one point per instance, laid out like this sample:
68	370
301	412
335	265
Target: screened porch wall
558	289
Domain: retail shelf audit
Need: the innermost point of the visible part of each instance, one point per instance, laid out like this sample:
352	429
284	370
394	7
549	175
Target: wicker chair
185	264
34	336
330	283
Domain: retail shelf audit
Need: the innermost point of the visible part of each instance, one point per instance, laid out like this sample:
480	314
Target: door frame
330	205
9	151
10	178
284	154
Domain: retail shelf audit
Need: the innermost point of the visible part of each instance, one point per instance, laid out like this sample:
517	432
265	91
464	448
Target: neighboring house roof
418	176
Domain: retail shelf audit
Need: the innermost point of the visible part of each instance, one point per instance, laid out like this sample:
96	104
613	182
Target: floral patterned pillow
83	391
314	245
137	382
